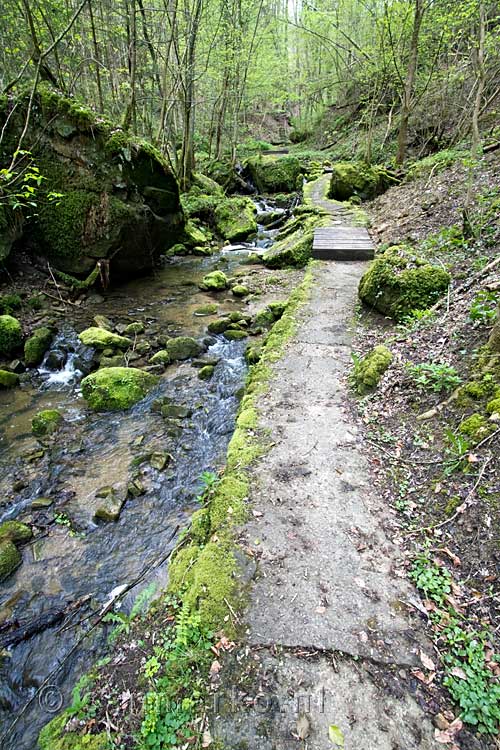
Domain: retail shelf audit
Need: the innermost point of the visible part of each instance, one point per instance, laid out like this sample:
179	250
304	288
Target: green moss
204	310
11	334
15	531
240	290
183	347
62	223
235	218
493	406
359	179
10	558
219	325
46	422
161	358
477	390
293	246
398	283
8	379
368	371
205	373
99	338
215	281
9	302
36	346
53	737
115	388
235	335
476	427
278	175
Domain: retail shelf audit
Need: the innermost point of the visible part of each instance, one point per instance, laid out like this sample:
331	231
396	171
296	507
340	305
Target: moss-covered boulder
205	310
182	347
119	198
219	325
235	218
36	346
477	427
15	531
206	372
399	282
275	174
10	558
240	290
293	246
215	281
115	388
109	505
100	338
368	371
11	334
161	358
358	179
8	379
46	422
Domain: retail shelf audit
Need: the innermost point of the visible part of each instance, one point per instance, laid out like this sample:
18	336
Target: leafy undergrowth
434	425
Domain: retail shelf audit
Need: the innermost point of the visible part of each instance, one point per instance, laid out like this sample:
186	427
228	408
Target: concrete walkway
331	630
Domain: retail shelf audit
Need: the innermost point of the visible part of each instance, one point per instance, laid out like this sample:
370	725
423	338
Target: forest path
332	632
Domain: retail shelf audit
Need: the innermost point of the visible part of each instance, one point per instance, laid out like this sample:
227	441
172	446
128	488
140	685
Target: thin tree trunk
409	83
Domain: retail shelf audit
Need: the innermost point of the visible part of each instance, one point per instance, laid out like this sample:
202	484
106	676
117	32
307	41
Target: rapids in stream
74	560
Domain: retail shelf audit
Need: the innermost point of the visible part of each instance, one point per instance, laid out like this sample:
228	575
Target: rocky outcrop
355	179
275	175
119	200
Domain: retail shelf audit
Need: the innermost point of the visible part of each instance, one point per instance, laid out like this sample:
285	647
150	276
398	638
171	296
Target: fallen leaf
458	672
336	735
206	739
427	662
215	667
303	727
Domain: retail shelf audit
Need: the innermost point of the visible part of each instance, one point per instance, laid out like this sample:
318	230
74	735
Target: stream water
72	557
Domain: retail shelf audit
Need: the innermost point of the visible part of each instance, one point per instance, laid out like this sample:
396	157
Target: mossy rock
235	335
183	347
206	372
281	175
493	406
46	422
8	379
115	360
110	505
235	218
253	354
134	329
205	310
36	346
10	558
240	290
100	338
398	282
207	185
476	427
358	179
161	358
11	334
116	388
54	737
219	326
215	281
368	371
293	246
15	531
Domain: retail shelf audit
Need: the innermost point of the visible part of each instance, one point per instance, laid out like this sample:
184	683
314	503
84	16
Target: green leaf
336	735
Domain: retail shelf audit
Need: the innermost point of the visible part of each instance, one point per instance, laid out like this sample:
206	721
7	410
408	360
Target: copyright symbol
50	699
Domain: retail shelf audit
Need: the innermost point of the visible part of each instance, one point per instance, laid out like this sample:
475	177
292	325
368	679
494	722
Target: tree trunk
406	103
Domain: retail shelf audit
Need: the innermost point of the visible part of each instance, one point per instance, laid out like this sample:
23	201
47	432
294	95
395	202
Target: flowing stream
72	559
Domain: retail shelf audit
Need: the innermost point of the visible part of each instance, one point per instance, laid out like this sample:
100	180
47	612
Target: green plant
434	580
457	449
483	310
209	482
471	684
434	377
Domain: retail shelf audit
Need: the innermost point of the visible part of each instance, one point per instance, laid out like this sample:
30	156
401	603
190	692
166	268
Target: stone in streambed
102	321
240	290
183	347
206	372
235	335
161	358
15	531
46	422
134	328
41	502
8	379
159	460
219	326
215	281
111	505
115	388
204	310
10	559
100	338
36	346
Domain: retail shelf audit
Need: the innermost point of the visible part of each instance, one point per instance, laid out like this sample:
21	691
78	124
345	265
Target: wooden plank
342	243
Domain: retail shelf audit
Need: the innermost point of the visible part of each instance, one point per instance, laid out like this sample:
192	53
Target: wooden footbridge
342	243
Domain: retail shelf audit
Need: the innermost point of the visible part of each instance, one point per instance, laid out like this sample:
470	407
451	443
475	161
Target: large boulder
293	246
275	175
215	281
100	338
235	218
358	179
119	201
399	282
36	346
115	388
